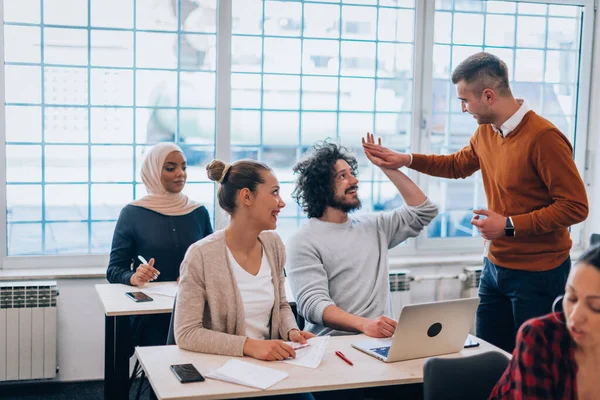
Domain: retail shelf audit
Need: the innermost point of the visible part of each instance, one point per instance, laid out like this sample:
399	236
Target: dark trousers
296	396
510	297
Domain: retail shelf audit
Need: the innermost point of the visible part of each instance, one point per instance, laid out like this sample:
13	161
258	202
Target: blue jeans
510	297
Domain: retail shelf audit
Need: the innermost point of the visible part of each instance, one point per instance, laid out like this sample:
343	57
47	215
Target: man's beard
340	203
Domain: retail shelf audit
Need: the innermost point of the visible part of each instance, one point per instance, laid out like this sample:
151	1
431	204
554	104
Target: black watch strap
509	229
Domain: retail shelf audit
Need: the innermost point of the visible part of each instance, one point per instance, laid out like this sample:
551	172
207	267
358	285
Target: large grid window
91	84
540	44
306	71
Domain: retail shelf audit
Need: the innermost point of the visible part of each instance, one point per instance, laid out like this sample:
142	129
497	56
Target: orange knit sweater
530	176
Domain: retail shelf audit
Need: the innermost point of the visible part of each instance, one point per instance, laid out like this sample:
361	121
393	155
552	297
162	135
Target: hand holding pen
144	273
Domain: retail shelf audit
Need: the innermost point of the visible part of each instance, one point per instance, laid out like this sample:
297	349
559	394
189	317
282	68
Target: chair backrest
171	334
463	378
594	239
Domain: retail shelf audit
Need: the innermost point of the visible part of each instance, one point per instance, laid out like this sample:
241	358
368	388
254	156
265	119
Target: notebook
247	374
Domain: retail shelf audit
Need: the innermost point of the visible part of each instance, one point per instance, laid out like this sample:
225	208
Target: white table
117	309
332	374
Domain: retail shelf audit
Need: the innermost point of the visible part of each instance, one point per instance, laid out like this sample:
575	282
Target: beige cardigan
209	313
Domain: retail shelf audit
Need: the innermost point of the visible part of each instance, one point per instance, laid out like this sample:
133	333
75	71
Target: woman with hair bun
231	298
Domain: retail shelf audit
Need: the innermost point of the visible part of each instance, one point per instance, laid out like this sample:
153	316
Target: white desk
115	303
332	374
117	309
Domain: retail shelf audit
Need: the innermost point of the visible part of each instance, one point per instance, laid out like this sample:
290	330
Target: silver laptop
425	330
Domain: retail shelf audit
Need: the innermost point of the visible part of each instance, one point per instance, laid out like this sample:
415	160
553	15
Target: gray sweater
346	264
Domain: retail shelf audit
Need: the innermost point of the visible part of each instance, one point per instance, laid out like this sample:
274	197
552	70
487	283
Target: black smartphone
187	373
470	343
139	297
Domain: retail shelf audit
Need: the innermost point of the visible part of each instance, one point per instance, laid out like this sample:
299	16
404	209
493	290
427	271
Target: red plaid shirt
543	364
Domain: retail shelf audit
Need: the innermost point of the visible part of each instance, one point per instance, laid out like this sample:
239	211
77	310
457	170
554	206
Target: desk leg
116	358
109	357
121	358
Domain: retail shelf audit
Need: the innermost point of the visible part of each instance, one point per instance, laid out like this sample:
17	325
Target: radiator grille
28	330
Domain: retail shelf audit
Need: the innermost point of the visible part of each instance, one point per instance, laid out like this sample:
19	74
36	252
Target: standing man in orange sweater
534	193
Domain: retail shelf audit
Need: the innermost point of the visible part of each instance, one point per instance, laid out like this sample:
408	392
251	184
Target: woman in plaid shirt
558	356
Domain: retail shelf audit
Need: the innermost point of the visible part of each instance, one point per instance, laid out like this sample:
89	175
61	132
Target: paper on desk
312	355
170	291
247	374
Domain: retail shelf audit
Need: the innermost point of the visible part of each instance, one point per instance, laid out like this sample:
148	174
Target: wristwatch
509	229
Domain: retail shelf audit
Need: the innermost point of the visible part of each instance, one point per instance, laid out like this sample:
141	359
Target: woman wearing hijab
159	227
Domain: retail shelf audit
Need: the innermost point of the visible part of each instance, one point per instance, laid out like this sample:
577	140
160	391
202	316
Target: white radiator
27	330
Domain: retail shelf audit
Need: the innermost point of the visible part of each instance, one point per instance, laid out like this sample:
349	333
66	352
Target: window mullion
3	200
223	86
422	100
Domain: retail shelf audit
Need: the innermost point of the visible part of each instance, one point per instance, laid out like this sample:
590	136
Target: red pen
343	357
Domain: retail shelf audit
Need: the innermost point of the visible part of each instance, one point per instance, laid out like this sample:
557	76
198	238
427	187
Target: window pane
66	163
319	93
66	238
24	239
111	163
111	48
24	203
22	11
281	92
22	44
318	126
111	125
65	125
283	18
23	124
68	86
321	20
112	87
112	13
22	84
65	46
66	202
245	90
55	12
23	163
102	234
108	199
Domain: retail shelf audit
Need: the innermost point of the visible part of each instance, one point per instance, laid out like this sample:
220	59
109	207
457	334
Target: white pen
143	260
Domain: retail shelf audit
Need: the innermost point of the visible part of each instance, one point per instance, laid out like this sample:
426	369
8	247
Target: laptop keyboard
382	350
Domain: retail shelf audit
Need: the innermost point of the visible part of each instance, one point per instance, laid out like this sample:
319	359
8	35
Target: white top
258	296
510	124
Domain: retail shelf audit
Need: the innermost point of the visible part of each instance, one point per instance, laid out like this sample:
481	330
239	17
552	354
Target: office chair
463	378
594	239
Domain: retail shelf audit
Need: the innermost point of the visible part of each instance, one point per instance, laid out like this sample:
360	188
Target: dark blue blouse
140	231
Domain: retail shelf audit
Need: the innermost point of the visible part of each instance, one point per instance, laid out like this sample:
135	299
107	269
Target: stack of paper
247	374
312	355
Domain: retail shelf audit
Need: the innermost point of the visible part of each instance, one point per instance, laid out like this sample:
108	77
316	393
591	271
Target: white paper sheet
247	374
312	355
169	291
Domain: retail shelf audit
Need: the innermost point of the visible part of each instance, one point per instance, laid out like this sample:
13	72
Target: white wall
80	330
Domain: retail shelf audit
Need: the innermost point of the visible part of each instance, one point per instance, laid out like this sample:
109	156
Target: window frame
419	141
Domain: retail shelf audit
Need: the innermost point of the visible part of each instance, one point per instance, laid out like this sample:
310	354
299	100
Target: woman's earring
556	313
